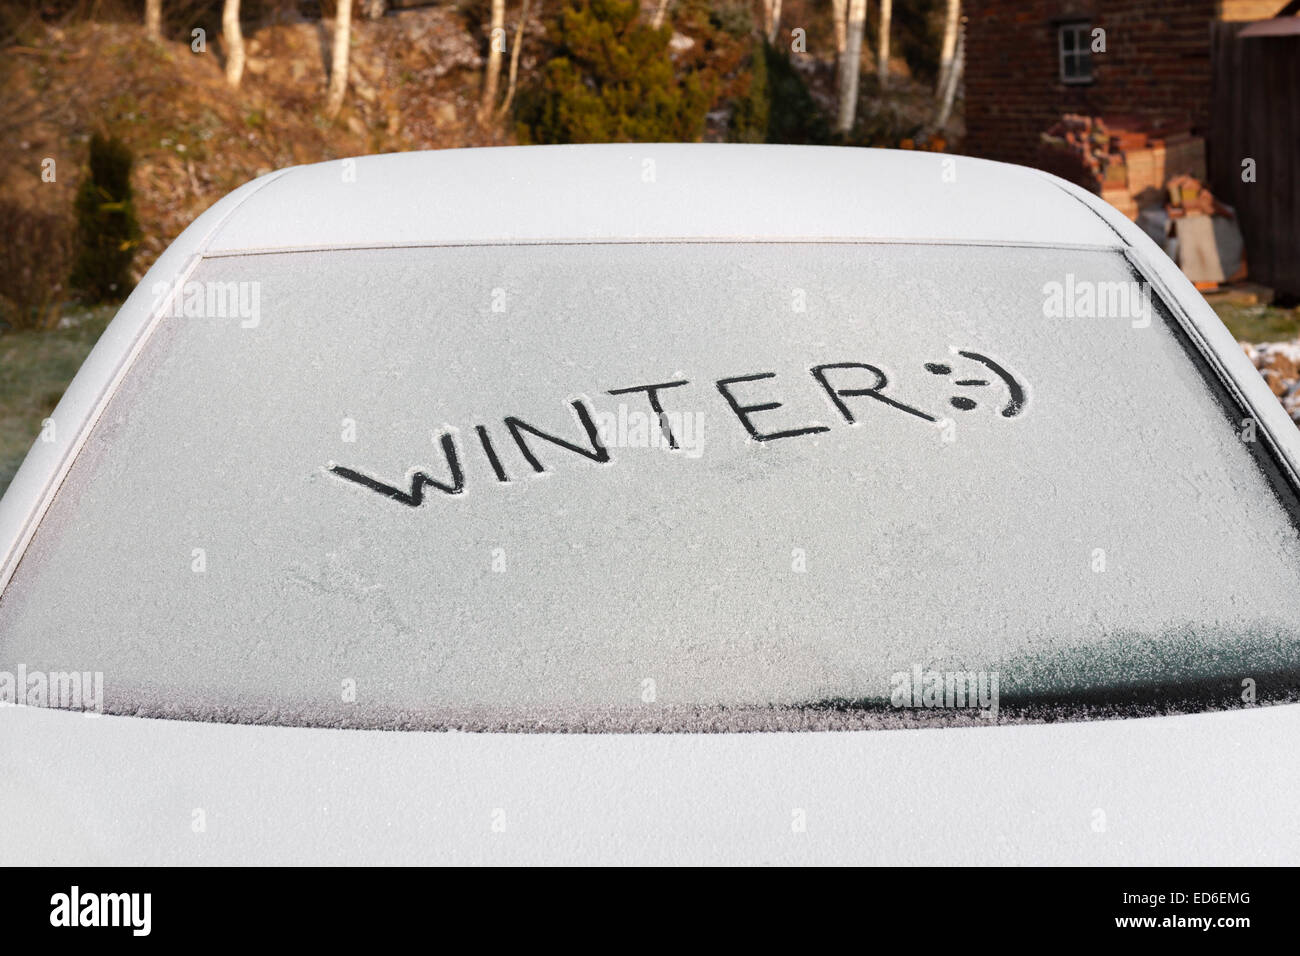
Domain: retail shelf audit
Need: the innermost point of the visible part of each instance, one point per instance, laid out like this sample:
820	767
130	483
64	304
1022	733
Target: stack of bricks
1126	165
1083	149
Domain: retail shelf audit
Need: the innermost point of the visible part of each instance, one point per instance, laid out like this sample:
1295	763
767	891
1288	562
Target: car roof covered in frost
656	192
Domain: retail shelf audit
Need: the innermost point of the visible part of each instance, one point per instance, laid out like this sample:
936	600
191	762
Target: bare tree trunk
776	21
882	55
662	10
496	43
949	49
234	41
339	62
851	65
839	12
153	18
514	59
954	80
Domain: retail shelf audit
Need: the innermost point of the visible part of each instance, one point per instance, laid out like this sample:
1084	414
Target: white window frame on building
1075	63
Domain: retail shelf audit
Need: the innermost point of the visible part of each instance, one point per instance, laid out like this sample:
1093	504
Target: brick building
1028	62
1177	90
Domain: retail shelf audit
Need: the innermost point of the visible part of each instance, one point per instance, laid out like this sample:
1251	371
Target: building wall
1156	68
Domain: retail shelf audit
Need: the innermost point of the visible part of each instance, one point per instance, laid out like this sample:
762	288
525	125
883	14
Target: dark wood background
1255	113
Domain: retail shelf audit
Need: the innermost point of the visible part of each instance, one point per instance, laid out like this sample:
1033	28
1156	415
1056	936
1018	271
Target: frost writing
851	389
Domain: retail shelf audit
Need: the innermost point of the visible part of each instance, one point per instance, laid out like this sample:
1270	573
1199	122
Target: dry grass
47	361
1259	323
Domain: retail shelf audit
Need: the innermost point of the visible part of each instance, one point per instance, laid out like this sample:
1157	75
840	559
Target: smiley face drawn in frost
1016	392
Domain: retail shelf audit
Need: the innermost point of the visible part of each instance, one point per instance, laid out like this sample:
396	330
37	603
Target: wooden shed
1255	140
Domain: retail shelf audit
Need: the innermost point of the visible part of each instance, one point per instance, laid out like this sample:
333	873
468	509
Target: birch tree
661	10
882	55
771	19
339	62
851	64
514	59
954	80
948	52
839	13
153	18
234	41
496	45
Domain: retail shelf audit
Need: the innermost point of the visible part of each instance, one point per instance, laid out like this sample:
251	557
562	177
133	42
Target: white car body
1209	788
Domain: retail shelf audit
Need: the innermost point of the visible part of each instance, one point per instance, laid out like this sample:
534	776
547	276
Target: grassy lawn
1259	323
35	368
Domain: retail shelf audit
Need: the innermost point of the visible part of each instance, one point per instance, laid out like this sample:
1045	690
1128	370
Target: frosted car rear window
429	487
